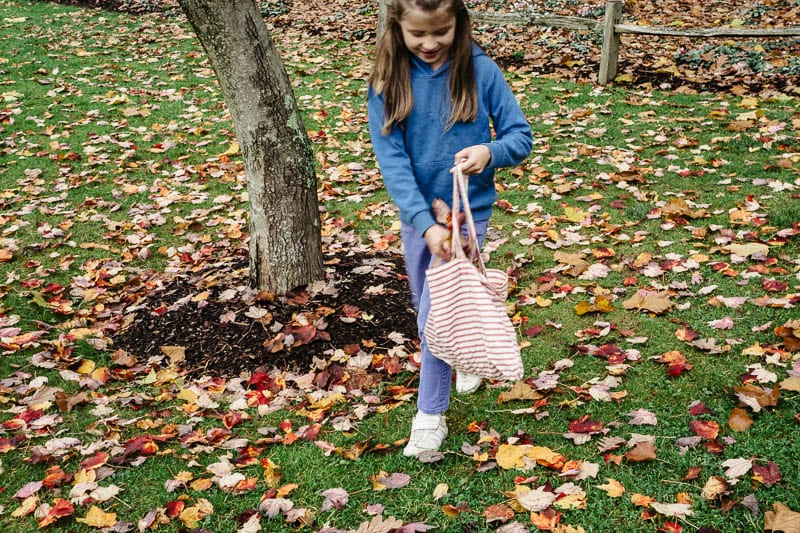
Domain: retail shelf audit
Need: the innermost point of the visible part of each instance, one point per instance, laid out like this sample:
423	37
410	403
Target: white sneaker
427	434
467	383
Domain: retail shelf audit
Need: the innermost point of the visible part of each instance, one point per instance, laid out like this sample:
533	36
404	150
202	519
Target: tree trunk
285	240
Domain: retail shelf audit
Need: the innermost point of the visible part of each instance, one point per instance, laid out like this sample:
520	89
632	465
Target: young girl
433	100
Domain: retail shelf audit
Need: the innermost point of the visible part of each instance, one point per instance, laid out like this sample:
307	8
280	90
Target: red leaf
174	508
708	429
59	509
768	474
585	425
232	418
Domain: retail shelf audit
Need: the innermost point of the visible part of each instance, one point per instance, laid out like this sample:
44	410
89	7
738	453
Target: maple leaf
739	420
656	303
679	510
498	513
60	509
536	500
519	391
379	525
98	518
642	417
714	488
782	518
613	488
391	481
768	474
336	498
641	452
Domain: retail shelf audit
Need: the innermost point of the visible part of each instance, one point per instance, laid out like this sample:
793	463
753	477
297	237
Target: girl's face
429	34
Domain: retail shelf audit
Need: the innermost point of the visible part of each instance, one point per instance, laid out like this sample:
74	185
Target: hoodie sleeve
513	136
395	166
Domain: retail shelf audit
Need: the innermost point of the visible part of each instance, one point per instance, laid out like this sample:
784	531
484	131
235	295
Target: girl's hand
473	159
437	238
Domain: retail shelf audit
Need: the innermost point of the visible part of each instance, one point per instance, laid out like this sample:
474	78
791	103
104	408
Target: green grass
118	156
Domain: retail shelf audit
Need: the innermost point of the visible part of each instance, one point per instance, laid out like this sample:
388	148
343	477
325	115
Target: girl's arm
513	137
395	167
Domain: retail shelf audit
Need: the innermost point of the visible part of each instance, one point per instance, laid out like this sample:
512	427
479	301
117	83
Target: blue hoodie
415	159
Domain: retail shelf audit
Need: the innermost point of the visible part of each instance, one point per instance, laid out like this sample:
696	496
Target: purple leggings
435	375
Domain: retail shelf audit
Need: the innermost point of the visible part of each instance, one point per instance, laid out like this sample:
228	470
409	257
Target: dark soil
226	327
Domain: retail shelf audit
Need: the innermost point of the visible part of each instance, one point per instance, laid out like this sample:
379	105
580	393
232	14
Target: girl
433	100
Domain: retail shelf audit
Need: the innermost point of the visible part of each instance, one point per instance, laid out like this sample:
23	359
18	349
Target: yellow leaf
791	383
98	518
574	214
640	500
613	488
27	506
233	149
176	354
746	250
86	368
191	516
187	395
654	303
441	490
749	102
510	456
583	308
782	518
541	301
624	78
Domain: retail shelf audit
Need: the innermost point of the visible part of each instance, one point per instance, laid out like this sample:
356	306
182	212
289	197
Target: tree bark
285	240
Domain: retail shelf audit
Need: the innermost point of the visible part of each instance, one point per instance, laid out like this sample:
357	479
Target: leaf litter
198	335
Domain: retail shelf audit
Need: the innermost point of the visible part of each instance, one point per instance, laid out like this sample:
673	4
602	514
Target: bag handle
461	195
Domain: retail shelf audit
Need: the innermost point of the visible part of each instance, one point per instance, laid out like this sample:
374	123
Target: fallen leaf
642	452
98	518
613	488
498	513
537	499
782	518
739	420
336	498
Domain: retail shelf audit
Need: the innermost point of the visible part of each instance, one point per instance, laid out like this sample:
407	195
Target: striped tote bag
468	326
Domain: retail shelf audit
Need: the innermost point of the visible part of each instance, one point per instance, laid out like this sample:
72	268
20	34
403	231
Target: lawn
652	242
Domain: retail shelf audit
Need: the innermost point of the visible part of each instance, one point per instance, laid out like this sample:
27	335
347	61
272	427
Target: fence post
610	52
383	16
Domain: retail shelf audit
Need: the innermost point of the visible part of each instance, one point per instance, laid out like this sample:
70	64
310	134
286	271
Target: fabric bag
468	326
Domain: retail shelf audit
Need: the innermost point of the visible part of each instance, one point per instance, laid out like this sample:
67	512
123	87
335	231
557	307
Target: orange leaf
499	512
60	509
739	420
641	500
708	429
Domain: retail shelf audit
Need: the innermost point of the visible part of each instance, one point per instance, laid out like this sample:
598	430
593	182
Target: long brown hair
391	73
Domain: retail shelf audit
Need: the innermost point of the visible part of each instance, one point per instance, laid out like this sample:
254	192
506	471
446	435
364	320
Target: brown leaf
498	513
739	420
642	452
648	301
782	518
520	391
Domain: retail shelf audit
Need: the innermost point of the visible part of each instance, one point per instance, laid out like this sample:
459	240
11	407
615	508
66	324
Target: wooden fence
610	28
